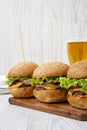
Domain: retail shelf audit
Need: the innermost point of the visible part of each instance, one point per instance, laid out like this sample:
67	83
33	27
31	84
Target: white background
66	18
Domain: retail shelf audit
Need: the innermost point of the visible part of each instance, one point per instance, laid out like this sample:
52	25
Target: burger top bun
22	69
51	69
78	70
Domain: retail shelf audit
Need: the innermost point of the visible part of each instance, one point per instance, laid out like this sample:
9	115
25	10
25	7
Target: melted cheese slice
50	86
16	85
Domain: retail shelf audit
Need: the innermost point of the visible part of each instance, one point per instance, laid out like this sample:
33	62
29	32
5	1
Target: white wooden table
18	118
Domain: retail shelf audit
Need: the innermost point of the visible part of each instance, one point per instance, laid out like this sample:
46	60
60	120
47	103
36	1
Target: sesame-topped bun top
78	70
51	69
22	69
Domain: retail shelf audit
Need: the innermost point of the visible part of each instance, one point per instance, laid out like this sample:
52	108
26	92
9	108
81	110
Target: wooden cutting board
61	109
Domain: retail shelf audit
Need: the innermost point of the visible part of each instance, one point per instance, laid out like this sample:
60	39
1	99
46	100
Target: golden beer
77	51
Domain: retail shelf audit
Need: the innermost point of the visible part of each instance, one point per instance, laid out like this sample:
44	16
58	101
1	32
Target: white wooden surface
67	17
13	117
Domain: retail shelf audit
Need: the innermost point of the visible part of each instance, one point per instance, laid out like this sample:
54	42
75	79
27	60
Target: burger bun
78	70
23	92
78	101
22	69
49	96
51	69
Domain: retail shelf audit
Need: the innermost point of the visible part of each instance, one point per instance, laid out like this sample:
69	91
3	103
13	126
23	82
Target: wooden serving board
61	109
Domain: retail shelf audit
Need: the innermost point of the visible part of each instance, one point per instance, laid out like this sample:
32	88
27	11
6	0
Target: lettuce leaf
64	82
67	83
33	81
10	80
44	79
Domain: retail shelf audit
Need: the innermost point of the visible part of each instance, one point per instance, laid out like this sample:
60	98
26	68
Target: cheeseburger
18	79
76	82
47	84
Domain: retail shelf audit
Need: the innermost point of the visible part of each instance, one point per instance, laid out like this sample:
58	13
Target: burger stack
18	79
47	84
77	95
50	82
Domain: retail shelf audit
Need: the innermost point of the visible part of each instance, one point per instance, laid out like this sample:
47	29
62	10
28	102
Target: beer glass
76	51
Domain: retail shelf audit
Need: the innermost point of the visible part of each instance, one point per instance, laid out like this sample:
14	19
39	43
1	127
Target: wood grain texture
61	109
69	23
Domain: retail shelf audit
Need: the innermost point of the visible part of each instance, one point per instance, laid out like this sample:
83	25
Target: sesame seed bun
78	70
78	101
51	69
49	96
22	69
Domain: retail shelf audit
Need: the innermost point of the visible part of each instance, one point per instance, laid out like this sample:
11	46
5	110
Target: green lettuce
44	79
64	82
67	83
10	80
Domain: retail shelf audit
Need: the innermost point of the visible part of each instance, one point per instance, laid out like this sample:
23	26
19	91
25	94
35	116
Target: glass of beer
76	51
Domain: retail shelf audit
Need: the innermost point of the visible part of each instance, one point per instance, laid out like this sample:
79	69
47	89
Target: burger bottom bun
23	92
49	96
77	101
